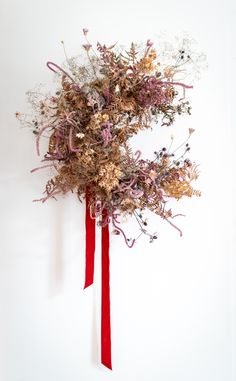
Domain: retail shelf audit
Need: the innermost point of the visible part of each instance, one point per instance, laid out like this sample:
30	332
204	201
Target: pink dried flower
87	47
149	43
152	94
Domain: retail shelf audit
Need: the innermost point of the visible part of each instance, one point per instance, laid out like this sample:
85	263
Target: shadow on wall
56	271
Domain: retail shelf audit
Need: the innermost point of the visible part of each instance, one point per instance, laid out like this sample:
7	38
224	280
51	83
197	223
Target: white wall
173	302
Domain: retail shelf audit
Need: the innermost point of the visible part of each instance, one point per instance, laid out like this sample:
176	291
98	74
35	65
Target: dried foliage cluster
89	120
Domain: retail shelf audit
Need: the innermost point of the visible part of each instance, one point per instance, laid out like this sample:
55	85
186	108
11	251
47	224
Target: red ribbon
89	278
90	244
106	320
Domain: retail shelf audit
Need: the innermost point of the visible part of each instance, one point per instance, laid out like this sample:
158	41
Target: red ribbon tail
105	309
90	245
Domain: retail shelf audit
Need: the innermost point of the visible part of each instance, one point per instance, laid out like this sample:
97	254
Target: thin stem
44	166
50	64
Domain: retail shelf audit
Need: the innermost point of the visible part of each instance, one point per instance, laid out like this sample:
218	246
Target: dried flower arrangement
89	121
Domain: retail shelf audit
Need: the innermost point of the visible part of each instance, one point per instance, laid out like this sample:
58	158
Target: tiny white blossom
117	89
80	135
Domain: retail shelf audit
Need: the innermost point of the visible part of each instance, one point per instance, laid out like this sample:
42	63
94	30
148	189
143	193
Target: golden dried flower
95	122
169	72
129	204
152	54
108	176
105	118
146	65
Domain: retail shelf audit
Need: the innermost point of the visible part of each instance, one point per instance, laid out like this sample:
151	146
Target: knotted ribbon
90	226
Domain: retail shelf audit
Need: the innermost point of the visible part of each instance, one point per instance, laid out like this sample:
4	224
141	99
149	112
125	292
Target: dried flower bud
87	47
85	31
191	130
149	43
80	135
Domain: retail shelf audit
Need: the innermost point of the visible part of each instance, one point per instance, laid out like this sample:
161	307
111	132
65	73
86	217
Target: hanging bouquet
89	121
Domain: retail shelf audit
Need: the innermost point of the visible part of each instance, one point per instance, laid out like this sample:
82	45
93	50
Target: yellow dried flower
177	189
146	65
95	122
105	118
129	204
177	184
169	72
152	54
108	176
86	158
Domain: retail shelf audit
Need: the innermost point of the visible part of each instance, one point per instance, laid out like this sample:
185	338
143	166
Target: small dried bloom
105	118
153	174
95	122
85	158
129	204
146	65
85	31
152	54
169	72
109	175
191	131
149	43
87	46
80	135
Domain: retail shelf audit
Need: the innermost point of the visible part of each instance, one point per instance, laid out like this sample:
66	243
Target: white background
173	302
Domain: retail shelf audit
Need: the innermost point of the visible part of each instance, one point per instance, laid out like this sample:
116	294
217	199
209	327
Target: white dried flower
80	135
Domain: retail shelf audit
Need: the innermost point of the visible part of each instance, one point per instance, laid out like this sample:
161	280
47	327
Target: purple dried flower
152	93
149	43
85	31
